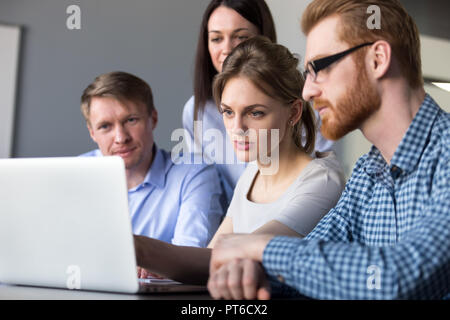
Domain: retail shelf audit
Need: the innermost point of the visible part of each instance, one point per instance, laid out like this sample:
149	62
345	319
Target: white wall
435	54
287	15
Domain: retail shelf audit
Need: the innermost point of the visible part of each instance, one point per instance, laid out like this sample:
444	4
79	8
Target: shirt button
280	278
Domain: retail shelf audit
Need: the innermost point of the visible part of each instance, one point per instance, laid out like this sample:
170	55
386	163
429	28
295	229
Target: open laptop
64	223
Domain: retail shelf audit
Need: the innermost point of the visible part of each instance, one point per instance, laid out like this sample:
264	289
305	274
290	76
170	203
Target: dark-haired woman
225	24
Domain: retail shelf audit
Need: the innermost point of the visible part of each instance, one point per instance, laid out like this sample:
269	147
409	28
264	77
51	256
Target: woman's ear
296	112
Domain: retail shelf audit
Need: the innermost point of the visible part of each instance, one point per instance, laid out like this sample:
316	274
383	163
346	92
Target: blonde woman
284	190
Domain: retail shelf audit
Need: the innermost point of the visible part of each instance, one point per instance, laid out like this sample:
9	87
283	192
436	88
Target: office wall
9	56
287	14
154	39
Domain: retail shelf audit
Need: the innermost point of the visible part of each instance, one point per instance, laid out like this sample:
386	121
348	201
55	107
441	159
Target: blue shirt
178	204
389	235
228	165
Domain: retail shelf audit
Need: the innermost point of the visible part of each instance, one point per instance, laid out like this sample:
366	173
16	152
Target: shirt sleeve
200	210
314	196
326	265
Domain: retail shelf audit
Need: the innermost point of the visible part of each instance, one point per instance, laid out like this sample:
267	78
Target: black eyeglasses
313	67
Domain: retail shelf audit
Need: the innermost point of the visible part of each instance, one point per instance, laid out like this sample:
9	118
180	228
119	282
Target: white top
231	168
315	191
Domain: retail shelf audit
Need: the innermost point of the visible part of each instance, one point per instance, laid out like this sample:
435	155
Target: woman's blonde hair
273	69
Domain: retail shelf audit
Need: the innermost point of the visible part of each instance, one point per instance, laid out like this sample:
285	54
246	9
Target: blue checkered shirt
389	235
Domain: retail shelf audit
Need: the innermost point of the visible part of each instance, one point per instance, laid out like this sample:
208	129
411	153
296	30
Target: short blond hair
397	28
119	85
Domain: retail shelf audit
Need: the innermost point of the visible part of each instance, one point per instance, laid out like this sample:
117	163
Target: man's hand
239	279
238	246
145	274
139	246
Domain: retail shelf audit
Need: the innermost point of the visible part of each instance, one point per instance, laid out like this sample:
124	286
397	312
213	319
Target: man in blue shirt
178	204
389	235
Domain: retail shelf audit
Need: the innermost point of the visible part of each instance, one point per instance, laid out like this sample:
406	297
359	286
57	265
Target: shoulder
437	151
327	161
210	110
361	163
441	152
324	171
189	105
437	144
441	129
188	110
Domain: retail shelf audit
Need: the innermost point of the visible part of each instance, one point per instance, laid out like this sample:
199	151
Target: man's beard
350	111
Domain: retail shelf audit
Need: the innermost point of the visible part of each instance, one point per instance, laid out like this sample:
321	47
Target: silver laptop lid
64	222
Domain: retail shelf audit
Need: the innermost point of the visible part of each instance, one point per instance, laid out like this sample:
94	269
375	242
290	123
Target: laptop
64	223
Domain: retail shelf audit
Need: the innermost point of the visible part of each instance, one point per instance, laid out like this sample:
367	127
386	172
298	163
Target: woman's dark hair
255	11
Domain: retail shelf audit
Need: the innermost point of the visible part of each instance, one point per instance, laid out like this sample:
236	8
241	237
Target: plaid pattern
389	235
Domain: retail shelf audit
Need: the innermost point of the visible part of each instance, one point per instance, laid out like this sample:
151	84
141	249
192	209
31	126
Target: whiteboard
9	60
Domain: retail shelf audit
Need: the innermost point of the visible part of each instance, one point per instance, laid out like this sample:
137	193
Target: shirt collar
375	162
410	149
156	175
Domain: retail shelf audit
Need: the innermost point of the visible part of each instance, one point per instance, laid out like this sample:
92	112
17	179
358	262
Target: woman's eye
242	38
215	39
227	113
256	114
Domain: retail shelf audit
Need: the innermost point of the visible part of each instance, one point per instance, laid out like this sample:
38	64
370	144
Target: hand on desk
235	267
239	279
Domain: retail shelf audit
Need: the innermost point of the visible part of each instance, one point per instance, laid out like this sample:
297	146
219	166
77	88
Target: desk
9	292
